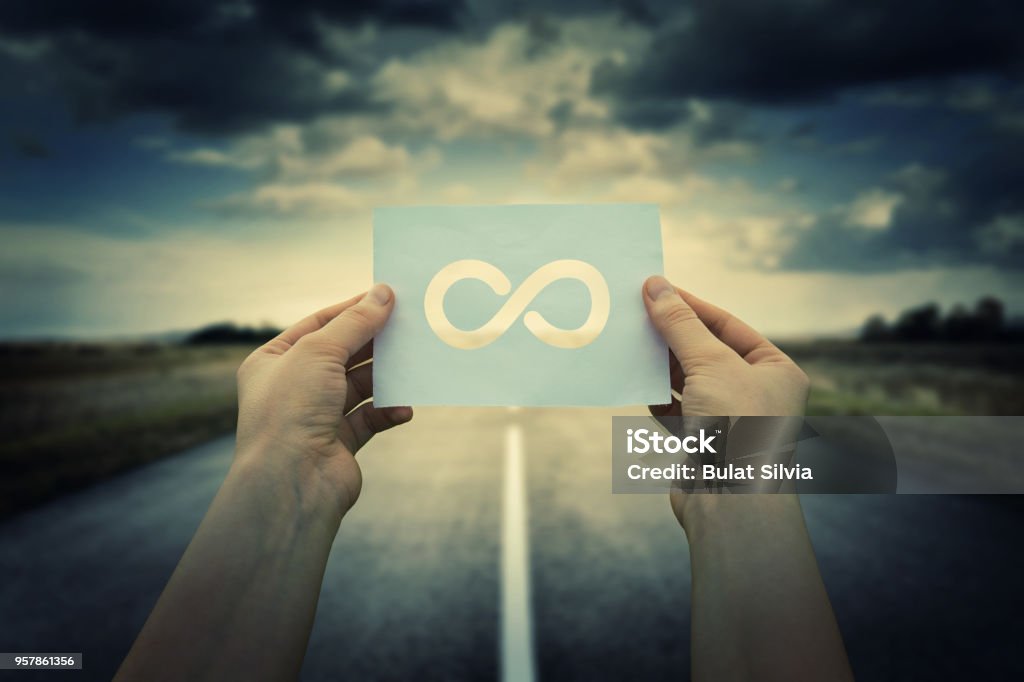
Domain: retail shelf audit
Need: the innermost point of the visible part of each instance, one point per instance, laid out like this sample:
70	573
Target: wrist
279	489
736	518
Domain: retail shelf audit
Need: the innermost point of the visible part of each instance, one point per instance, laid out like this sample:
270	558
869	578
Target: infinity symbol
600	304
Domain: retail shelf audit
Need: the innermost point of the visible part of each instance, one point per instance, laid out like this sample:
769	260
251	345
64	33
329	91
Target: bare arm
760	609
241	602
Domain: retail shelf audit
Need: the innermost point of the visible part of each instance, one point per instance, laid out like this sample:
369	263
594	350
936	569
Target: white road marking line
517	660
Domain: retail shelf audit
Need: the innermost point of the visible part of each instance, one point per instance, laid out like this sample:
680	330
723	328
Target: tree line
230	333
985	323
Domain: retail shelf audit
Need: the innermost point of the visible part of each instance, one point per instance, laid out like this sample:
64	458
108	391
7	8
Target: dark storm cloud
213	67
159	17
237	65
207	84
29	145
968	212
796	50
963	206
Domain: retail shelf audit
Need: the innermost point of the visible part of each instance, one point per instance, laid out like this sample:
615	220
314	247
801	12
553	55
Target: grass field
907	379
75	413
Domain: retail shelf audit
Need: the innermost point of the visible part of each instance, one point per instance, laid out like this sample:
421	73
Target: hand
756	584
256	563
300	417
719	367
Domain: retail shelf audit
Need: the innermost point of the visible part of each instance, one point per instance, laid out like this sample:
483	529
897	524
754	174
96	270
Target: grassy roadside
901	379
74	414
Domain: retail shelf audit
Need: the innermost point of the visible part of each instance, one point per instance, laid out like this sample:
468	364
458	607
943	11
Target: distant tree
229	333
918	324
960	324
875	329
986	323
991	318
1014	329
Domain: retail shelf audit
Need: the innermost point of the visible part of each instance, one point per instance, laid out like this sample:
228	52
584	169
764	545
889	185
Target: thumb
343	336
690	340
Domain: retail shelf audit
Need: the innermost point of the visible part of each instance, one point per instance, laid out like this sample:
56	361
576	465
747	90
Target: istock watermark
707	455
655	442
642	441
837	454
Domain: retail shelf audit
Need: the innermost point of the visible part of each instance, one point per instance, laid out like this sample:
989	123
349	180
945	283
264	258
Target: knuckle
276	346
707	357
358	316
800	378
319	343
678	315
243	369
794	376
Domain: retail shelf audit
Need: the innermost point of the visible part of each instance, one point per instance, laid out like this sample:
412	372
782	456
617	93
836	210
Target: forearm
760	610
241	602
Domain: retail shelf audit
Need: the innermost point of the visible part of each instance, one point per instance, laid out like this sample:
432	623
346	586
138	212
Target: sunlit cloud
521	80
872	209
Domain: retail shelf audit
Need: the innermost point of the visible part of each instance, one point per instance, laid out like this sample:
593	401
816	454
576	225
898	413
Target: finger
734	332
289	337
343	337
362	355
369	420
360	385
675	374
688	337
673	409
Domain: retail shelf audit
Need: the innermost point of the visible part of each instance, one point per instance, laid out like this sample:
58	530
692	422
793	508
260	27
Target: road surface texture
924	587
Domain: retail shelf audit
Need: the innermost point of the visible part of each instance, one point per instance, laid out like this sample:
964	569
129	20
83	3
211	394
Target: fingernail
658	286
379	294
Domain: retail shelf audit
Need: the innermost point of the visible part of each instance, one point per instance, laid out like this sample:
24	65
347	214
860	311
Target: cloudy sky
169	164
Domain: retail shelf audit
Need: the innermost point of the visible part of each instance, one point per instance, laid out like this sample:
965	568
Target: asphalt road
923	586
